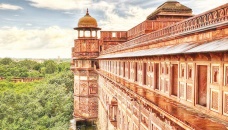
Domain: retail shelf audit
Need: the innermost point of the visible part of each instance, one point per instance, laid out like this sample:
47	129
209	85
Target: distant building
2	78
16	80
169	72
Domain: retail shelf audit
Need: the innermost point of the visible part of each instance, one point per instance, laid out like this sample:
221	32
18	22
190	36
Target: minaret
84	52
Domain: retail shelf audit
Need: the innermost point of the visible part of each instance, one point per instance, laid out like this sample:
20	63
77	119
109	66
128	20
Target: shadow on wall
86	125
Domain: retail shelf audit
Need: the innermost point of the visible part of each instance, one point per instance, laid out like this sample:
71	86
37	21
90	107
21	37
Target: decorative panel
214	100
182	71
136	111
144	120
162	84
79	63
93	88
83	73
162	68
93	45
154	126
93	106
83	46
226	75
181	90
151	80
225	105
215	74
85	63
167	69
189	92
76	87
148	79
83	88
84	109
88	46
166	85
93	75
190	71
76	73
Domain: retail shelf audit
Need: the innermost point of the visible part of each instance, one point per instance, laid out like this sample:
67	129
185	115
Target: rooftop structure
170	10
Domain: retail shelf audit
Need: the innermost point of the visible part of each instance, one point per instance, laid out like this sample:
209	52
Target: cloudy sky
43	28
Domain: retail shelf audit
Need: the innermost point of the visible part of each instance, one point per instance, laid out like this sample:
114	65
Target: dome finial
87	21
87	12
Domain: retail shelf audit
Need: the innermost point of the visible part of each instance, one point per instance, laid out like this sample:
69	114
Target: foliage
40	105
51	66
29	68
6	61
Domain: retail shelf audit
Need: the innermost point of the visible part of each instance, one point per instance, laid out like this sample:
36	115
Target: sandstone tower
84	52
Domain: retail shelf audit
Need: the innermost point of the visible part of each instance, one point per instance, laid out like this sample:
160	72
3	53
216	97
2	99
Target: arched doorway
113	107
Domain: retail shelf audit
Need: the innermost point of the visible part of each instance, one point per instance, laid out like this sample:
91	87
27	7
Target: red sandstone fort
169	72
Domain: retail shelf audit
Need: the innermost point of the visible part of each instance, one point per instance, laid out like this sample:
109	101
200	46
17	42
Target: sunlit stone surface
169	72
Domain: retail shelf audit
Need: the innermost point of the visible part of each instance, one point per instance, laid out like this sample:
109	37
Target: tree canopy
39	105
29	68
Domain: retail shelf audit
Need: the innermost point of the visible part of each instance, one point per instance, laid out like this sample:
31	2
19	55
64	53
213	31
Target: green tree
64	66
43	105
51	66
6	61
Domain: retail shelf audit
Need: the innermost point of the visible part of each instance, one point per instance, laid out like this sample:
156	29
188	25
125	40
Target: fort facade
169	72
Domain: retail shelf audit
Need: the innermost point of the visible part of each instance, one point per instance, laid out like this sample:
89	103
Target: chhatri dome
87	21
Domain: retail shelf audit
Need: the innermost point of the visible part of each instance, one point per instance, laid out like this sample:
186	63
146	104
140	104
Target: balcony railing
147	27
114	39
84	54
205	21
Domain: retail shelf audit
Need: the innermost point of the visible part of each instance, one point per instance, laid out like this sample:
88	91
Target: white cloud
113	20
68	13
54	41
9	7
49	42
133	13
61	4
200	6
6	27
28	24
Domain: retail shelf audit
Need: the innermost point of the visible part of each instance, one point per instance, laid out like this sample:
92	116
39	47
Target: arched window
152	68
182	72
215	76
190	73
113	107
162	69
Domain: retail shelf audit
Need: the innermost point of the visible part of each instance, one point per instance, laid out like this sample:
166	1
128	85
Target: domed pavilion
87	24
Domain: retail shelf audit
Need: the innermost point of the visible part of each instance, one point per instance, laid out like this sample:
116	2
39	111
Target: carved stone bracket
203	56
217	56
189	57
